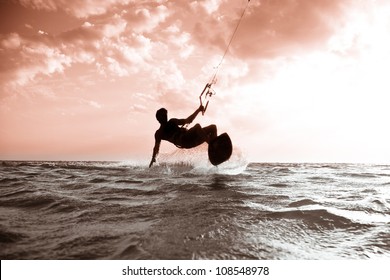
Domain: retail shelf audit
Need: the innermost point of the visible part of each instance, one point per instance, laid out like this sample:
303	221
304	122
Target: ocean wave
7	236
98	180
317	218
278	185
128	181
14	163
302	202
17	192
30	202
330	217
75	186
358	175
130	248
35	200
9	180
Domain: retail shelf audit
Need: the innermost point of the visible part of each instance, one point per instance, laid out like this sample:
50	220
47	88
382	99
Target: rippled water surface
118	210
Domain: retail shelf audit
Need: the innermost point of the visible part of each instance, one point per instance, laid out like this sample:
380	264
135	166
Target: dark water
119	210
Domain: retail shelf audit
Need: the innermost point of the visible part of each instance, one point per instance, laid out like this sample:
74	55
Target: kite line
208	91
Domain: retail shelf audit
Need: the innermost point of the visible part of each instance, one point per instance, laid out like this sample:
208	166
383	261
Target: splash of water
196	159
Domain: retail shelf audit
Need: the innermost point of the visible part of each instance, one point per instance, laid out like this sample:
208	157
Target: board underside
220	149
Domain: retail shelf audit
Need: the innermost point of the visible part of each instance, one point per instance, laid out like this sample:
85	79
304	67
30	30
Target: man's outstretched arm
155	149
191	118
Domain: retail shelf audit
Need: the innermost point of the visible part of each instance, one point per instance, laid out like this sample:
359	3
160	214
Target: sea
192	210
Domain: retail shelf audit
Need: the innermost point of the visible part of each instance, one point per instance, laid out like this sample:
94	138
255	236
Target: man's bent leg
197	135
194	137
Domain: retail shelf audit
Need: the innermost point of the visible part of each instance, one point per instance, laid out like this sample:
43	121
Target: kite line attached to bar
208	91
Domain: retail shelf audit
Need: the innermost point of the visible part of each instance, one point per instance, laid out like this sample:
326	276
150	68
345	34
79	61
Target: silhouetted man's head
162	115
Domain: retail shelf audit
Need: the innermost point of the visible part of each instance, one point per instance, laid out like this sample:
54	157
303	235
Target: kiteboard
220	149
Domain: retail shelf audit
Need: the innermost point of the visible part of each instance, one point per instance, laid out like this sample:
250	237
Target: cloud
76	8
36	58
170	85
118	43
93	104
114	28
275	28
146	19
181	40
49	5
102	43
211	5
11	41
158	39
116	68
269	28
139	38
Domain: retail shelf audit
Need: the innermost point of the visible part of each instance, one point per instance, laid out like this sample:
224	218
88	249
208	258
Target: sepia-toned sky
303	80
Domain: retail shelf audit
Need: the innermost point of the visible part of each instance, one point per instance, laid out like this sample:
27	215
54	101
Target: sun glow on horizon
335	97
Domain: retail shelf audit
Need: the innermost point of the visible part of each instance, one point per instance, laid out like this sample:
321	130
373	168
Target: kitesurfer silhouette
220	147
173	131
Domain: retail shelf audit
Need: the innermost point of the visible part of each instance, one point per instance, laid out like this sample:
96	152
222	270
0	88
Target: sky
302	81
